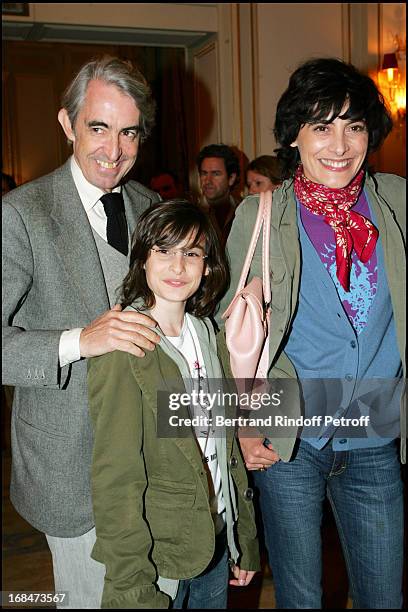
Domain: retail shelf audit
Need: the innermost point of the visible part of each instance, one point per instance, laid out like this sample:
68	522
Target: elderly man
65	252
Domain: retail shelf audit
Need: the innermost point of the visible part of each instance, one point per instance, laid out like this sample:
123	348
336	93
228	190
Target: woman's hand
241	577
258	454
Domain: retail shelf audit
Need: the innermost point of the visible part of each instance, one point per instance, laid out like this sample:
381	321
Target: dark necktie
116	227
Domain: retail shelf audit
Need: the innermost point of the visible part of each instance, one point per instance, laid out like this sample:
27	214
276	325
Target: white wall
258	47
393	20
269	39
168	16
287	35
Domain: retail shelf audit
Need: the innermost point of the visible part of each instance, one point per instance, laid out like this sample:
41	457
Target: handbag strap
263	220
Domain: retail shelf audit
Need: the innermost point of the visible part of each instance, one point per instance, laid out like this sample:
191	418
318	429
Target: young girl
166	509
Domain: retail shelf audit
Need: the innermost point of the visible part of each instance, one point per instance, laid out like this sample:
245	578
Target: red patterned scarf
351	229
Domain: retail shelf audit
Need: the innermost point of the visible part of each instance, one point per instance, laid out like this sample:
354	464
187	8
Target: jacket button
233	462
249	494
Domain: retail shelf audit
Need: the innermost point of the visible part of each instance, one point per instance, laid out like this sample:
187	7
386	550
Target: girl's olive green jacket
150	494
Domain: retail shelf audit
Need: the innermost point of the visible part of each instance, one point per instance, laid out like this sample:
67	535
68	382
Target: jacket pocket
169	494
169	513
35	427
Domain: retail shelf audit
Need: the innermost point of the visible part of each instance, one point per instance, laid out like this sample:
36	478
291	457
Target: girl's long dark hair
165	225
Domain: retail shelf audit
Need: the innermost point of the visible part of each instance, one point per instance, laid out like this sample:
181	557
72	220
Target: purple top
363	278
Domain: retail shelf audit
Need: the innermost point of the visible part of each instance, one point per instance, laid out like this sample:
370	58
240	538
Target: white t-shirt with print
189	347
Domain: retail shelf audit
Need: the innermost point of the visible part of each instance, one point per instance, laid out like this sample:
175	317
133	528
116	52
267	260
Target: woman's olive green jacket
386	193
150	494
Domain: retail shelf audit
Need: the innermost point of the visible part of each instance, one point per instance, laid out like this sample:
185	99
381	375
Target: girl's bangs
172	235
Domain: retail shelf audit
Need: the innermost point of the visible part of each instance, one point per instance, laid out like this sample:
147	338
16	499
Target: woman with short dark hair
338	332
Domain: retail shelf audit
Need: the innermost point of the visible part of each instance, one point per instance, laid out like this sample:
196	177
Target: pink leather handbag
247	316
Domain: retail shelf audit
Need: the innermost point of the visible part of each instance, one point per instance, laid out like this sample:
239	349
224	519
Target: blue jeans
364	488
209	590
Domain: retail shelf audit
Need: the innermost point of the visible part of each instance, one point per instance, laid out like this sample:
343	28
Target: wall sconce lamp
393	86
390	65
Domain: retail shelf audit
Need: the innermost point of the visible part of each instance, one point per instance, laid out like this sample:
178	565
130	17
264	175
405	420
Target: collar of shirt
90	198
88	193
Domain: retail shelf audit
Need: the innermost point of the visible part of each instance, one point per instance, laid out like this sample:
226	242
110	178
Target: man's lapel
76	246
135	203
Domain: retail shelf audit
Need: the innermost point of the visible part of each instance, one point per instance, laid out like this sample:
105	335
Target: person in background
166	184
263	174
169	511
338	330
65	251
219	170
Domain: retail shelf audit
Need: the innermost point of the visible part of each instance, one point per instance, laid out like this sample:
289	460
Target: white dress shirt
90	198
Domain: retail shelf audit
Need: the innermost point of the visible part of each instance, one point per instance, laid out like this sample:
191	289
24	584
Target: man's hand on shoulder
117	330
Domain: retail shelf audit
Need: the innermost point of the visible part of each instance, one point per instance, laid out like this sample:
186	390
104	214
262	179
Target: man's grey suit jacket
52	281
